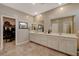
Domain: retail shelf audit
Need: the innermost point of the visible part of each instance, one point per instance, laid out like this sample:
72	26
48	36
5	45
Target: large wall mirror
38	24
63	25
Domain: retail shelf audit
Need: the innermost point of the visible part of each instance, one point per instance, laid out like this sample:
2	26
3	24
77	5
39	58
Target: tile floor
28	49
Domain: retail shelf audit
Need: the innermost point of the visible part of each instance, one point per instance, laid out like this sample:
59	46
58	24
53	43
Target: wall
38	19
15	14
22	34
68	10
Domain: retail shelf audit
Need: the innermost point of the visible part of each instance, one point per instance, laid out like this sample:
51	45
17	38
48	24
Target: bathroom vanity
66	43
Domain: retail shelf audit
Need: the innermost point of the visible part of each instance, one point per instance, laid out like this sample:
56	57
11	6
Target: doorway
9	33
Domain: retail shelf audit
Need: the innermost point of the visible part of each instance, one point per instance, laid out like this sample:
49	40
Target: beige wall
68	10
22	34
38	19
15	14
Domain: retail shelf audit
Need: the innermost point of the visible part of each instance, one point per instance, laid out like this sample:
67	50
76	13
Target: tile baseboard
22	42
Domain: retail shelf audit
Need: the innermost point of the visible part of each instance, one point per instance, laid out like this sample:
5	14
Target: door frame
2	30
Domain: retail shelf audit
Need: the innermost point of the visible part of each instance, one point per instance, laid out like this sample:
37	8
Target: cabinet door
68	45
34	37
42	39
38	38
53	42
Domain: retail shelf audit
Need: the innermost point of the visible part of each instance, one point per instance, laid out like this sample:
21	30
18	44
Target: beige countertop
56	34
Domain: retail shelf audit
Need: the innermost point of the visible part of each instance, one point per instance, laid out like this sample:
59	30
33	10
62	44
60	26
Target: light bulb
61	8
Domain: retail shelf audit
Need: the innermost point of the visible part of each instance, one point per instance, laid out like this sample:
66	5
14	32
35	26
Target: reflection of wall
67	25
65	28
39	19
55	28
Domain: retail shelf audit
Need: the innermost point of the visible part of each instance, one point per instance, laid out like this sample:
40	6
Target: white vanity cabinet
68	45
52	41
46	40
38	38
34	37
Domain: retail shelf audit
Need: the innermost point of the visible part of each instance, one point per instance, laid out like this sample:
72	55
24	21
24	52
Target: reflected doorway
9	33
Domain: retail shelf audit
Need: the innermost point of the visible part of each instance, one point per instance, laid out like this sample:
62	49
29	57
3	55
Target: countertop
56	34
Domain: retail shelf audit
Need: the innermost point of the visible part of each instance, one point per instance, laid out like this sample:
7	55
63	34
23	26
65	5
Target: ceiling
33	8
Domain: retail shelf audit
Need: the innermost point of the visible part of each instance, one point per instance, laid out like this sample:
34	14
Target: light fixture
61	8
35	13
40	15
27	16
59	3
22	23
33	3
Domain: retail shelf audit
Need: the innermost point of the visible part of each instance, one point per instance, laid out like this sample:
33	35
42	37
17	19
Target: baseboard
22	42
50	48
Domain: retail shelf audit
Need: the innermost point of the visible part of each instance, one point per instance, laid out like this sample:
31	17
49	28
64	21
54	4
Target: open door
7	39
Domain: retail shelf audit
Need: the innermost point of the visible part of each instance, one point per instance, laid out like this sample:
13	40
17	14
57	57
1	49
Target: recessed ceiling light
27	16
59	3
40	15
61	8
35	13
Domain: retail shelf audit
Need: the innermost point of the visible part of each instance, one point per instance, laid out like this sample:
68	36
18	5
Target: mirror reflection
63	25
